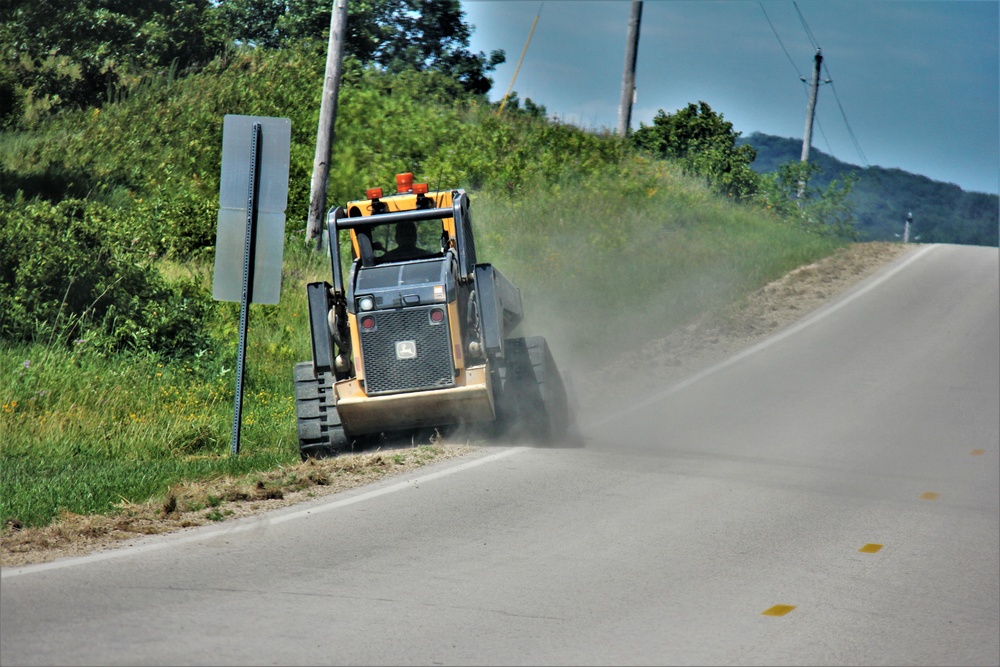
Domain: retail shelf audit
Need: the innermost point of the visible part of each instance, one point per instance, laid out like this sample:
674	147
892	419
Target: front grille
431	366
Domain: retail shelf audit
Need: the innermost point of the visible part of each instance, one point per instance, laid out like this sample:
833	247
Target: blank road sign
230	247
273	151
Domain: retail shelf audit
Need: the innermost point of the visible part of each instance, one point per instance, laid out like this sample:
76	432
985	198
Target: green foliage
67	55
180	224
433	35
85	431
106	154
509	152
395	35
270	23
57	56
705	144
512	105
606	260
790	192
387	123
72	273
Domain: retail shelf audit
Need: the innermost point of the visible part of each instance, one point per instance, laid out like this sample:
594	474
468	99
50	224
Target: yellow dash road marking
870	548
778	610
978	452
930	495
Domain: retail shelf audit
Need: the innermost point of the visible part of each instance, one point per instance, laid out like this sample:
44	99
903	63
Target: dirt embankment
661	362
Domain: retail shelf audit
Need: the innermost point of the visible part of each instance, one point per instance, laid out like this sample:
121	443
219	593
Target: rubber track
320	431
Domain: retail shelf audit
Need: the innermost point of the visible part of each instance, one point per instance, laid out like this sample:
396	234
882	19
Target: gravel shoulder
660	362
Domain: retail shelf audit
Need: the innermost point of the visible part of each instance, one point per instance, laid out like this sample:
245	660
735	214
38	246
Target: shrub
73	272
705	144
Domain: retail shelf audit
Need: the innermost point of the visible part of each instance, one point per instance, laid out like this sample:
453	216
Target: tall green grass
85	432
613	260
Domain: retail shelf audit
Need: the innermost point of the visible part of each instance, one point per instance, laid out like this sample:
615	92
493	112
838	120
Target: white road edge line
253	523
794	329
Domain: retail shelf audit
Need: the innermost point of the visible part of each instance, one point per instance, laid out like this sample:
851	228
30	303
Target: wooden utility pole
628	78
811	109
327	120
810	116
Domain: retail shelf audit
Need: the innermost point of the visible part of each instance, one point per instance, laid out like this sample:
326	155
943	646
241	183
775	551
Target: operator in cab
406	245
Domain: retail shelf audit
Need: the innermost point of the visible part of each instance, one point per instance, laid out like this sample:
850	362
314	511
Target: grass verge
196	502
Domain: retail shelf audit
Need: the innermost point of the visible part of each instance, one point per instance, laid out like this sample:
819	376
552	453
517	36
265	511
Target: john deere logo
406	349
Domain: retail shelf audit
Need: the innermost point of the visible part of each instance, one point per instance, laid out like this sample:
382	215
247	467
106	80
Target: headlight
366	303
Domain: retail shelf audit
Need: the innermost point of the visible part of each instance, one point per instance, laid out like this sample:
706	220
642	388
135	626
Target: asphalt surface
829	496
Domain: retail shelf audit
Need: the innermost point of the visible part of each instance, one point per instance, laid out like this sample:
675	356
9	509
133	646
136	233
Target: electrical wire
819	126
854	139
829	80
805	83
805	27
787	55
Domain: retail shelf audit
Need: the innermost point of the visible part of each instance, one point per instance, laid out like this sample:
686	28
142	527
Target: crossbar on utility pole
327	120
628	77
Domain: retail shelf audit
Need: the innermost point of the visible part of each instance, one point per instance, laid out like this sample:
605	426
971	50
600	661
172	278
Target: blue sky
915	83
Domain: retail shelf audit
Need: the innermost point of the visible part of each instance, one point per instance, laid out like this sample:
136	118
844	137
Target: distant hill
942	212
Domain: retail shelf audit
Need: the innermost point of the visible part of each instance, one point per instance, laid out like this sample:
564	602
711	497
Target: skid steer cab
417	335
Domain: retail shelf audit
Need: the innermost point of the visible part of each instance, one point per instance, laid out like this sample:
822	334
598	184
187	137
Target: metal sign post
251	226
247	290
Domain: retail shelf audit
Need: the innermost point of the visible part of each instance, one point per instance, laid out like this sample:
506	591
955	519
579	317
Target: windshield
396	275
405	241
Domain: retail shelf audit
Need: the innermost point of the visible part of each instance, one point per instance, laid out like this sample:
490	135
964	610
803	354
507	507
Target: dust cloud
613	377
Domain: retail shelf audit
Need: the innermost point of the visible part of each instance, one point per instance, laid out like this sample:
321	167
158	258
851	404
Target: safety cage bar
338	219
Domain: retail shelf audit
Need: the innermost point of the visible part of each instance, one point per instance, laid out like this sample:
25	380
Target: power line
829	148
829	80
843	113
797	71
805	27
787	55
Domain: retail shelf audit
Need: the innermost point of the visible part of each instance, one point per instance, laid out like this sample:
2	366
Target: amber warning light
404	183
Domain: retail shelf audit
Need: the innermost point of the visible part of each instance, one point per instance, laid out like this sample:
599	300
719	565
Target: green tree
393	34
56	54
705	144
432	34
512	104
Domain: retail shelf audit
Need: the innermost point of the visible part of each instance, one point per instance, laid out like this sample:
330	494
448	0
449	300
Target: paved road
831	496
